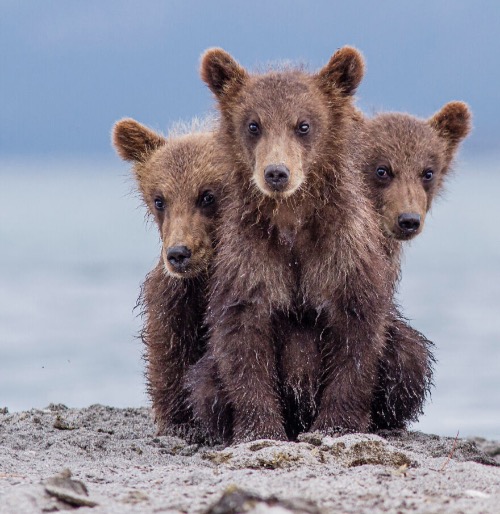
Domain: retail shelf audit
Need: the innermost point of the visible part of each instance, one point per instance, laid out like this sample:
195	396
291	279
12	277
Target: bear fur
405	161
298	240
297	375
180	181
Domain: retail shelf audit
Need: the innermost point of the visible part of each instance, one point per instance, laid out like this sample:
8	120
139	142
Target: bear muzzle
409	224
277	177
178	258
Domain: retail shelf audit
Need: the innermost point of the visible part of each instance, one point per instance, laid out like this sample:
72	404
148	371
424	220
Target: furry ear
133	141
221	72
344	71
452	122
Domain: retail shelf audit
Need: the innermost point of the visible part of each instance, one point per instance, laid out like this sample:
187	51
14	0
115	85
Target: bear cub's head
406	162
180	182
280	123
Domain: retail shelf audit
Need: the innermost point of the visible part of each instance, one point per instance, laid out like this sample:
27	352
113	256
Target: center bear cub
298	240
180	182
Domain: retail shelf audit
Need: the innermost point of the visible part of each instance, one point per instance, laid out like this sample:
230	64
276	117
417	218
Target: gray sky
69	69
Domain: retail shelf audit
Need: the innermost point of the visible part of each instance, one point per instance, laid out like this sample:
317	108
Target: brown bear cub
299	242
180	181
405	162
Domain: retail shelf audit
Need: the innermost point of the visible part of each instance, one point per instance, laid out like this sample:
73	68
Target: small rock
236	501
67	490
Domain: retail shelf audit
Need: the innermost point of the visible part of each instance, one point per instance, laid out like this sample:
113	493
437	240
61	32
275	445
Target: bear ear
221	72
133	141
344	71
452	122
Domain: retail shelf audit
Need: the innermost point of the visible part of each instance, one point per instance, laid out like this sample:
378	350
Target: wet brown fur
298	371
178	171
312	252
407	147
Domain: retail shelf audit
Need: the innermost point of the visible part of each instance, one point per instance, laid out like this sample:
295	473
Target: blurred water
74	249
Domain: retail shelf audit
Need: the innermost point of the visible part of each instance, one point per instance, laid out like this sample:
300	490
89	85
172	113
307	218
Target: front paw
245	434
339	425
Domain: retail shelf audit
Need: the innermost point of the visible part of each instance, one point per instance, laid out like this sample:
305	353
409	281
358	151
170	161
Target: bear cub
299	241
180	182
405	161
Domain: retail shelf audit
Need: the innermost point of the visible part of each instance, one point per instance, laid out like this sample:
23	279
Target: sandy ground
118	465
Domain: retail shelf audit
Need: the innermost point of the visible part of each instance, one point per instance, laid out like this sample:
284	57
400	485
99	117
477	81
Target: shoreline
115	455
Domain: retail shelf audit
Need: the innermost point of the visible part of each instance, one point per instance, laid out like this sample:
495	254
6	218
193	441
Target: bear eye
428	175
207	198
254	128
303	128
159	204
382	172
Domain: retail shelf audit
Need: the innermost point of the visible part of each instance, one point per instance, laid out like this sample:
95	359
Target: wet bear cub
405	163
180	180
299	242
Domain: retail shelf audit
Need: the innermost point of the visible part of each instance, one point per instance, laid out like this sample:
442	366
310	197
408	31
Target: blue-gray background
73	243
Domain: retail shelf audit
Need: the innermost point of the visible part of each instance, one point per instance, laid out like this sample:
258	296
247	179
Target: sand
108	460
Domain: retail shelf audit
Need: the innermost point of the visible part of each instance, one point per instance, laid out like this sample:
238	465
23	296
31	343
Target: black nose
277	176
178	256
409	222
